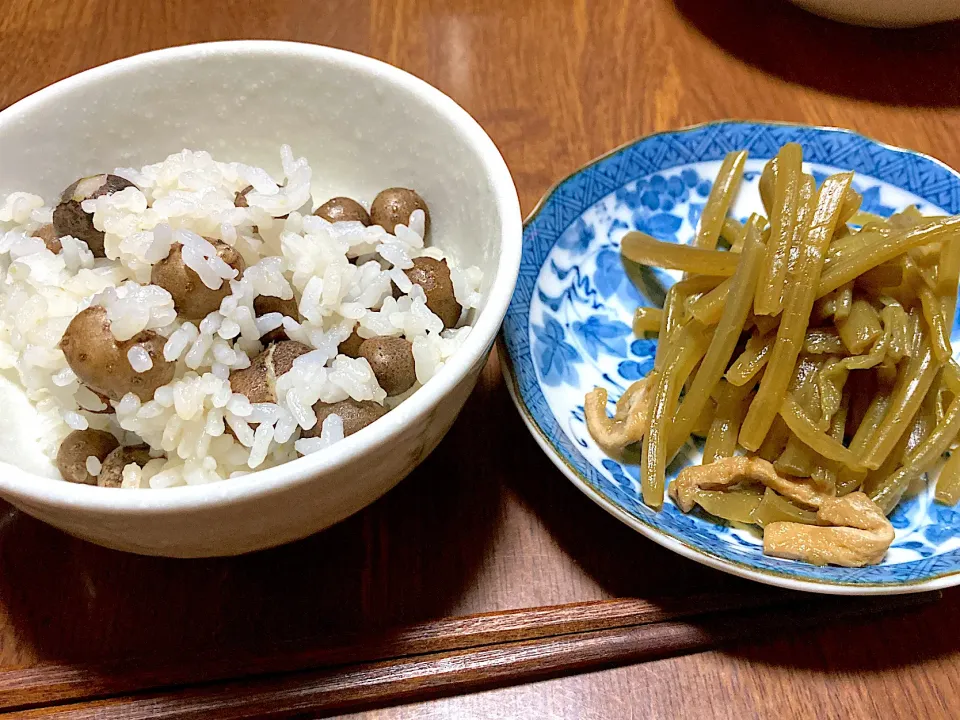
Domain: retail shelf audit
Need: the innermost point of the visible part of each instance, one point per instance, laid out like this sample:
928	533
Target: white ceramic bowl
884	13
364	126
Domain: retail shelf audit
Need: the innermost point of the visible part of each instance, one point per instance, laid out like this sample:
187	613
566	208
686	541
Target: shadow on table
896	67
899	638
620	560
402	560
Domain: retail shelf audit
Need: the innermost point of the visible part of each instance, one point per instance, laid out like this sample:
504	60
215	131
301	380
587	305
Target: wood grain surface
555	83
47	683
328	692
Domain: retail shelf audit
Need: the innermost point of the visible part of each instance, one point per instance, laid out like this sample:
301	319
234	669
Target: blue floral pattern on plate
568	328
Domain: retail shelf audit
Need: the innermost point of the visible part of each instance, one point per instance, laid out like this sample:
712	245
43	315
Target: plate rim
768	577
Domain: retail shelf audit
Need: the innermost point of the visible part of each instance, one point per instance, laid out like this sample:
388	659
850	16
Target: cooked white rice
183	199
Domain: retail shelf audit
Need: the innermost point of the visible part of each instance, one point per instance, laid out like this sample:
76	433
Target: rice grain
341	275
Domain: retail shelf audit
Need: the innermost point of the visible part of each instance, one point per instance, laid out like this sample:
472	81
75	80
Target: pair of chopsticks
426	660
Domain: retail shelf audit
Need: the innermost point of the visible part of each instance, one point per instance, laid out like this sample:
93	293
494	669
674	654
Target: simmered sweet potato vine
814	356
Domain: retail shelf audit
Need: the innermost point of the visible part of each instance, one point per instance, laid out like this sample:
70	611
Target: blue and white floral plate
568	329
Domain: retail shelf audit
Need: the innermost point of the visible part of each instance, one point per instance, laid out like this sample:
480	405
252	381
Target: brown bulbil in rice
351	346
191	297
434	277
77	447
111	474
240	199
284	353
355	414
266	304
254	382
343	209
259	381
48	234
394	206
391	359
100	361
69	218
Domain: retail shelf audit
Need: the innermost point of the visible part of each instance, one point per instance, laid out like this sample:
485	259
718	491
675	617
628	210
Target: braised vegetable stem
725	336
787	185
799	296
641	248
718	202
684	354
813	354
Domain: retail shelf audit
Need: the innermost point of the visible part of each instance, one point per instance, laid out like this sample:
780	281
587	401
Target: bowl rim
689	551
50	492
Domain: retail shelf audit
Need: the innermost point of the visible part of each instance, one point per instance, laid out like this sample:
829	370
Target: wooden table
555	84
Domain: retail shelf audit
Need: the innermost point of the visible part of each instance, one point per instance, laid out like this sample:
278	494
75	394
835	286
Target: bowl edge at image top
891	14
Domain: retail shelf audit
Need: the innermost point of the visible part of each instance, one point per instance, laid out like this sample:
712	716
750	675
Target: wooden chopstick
531	644
51	683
